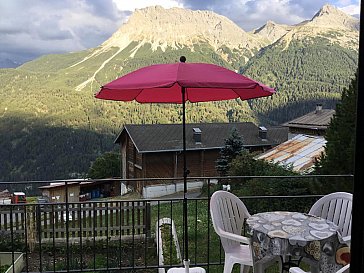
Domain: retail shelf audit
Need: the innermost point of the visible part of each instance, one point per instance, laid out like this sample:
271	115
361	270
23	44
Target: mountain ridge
158	28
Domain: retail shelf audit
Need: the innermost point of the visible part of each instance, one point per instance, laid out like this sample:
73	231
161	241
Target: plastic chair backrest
228	214
335	207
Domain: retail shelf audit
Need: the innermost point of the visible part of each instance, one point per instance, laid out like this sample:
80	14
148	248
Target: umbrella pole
185	173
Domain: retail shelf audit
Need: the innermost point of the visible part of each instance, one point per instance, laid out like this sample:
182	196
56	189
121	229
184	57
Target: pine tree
233	147
338	157
105	166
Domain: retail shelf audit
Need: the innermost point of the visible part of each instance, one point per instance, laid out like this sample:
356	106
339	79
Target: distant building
306	141
314	123
81	190
155	150
300	152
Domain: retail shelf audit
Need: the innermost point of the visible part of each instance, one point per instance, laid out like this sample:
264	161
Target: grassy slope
48	130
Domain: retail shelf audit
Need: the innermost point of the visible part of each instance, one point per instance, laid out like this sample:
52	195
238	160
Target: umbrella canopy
178	83
162	83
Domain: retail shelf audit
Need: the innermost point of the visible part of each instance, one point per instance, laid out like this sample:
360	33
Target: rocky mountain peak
330	16
327	9
272	31
177	27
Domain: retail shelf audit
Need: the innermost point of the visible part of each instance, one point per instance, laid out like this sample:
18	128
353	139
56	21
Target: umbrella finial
182	59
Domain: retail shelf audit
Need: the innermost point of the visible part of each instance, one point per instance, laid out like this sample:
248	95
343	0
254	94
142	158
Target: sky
29	29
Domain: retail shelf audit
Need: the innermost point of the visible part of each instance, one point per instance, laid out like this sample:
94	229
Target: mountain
330	17
156	30
52	127
178	28
313	62
272	31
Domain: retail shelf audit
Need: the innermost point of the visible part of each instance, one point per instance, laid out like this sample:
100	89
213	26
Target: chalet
155	150
314	123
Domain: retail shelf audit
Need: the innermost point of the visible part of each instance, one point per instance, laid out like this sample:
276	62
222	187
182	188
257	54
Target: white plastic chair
345	269
228	215
336	207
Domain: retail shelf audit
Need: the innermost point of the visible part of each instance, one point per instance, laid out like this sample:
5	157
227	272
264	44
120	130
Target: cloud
138	4
351	9
40	27
251	14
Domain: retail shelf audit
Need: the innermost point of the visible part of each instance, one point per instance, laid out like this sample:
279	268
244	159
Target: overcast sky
29	29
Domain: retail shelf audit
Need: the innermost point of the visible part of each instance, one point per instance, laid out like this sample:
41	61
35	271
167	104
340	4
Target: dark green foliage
11	242
245	165
32	150
304	73
339	151
105	166
233	146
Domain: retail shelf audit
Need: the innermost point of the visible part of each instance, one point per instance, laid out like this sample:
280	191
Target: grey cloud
48	34
246	15
49	29
104	8
29	29
205	4
307	8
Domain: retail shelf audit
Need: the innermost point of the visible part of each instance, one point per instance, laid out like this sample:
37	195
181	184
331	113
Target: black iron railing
130	233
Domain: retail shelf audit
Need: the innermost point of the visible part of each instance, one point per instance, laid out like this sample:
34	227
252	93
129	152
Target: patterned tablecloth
297	234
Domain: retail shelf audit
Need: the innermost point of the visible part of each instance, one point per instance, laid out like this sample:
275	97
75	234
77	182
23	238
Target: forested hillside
305	73
52	127
50	131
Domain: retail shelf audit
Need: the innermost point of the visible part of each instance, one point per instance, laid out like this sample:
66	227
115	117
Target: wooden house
314	123
155	150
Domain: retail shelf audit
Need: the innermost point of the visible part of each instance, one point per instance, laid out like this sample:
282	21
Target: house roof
299	152
318	119
168	137
58	184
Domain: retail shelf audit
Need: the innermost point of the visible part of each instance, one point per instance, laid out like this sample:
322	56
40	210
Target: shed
300	152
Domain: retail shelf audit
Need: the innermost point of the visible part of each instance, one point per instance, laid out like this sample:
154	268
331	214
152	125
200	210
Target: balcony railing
120	233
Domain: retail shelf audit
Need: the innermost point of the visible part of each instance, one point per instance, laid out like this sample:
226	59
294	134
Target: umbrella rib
136	97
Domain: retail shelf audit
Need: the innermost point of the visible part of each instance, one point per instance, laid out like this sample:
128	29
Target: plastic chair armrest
235	237
346	239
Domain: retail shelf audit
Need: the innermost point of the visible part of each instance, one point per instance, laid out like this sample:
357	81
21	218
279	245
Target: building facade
155	150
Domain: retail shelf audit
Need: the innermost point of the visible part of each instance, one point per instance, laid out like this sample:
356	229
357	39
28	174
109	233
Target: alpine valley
52	127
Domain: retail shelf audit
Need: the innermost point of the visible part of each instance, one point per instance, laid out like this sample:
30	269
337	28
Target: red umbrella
165	83
178	83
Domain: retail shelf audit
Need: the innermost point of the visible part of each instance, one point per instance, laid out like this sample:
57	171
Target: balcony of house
107	226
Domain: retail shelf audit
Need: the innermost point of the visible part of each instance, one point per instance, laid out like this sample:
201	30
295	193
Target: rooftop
168	137
318	119
299	152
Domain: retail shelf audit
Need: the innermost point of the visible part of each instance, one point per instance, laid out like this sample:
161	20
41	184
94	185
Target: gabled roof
299	152
318	119
168	137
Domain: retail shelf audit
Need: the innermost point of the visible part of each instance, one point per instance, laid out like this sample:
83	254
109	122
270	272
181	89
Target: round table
282	233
